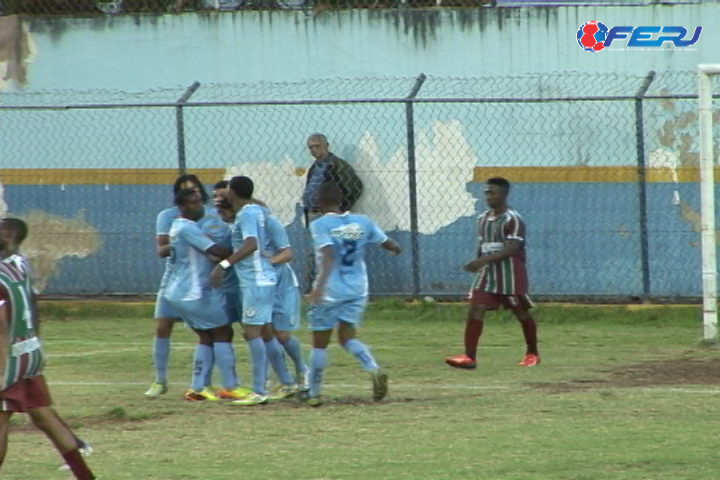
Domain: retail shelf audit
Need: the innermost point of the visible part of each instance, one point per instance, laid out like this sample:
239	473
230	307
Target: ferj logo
595	36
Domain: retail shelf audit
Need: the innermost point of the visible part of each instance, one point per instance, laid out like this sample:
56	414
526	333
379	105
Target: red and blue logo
594	36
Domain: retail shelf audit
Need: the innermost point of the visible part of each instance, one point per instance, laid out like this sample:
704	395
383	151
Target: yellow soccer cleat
282	392
156	389
202	395
234	394
252	399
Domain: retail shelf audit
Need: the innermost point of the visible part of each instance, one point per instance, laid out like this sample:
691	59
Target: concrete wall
91	181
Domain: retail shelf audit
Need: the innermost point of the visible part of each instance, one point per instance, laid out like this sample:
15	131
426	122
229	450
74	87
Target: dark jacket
341	173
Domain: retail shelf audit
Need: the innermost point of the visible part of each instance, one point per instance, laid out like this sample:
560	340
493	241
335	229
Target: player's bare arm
393	247
511	248
283	256
327	259
246	249
162	246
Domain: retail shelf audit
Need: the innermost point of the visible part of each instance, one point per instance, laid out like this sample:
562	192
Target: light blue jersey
286	308
256	275
162	227
188	289
254	269
348	234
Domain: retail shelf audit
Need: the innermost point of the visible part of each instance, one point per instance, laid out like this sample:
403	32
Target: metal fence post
180	123
642	181
412	184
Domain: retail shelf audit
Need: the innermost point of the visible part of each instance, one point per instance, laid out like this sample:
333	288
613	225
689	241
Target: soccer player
340	292
286	307
14	232
22	385
189	293
165	316
257	282
501	278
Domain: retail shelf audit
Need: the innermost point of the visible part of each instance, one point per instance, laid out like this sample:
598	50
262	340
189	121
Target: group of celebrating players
230	263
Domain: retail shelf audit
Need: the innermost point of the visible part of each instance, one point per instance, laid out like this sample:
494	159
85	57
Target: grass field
621	394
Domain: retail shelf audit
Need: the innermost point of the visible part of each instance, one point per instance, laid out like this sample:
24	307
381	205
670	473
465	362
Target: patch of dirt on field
680	371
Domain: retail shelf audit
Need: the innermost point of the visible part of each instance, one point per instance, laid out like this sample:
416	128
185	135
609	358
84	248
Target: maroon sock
473	330
530	333
77	465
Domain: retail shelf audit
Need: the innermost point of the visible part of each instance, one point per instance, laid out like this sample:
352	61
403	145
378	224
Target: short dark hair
18	227
501	182
182	197
329	193
243	187
189	177
220	185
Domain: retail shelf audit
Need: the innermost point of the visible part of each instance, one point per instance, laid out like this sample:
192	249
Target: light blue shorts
163	309
257	303
233	306
204	314
326	316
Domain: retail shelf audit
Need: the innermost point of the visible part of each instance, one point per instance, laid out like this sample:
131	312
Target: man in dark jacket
328	168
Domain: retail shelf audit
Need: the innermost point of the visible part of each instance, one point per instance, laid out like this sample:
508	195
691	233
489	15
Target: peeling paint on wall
17	50
53	238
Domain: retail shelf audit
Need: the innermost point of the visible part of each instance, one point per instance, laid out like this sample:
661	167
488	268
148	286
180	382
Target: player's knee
476	312
283	337
164	327
523	316
39	420
222	334
345	336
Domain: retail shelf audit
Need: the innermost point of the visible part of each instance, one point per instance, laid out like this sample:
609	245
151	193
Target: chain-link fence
119	7
604	169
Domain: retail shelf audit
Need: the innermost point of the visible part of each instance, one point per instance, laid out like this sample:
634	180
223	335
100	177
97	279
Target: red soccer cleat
461	361
530	360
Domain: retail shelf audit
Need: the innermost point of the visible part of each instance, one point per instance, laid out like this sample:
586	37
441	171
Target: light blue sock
258	356
161	354
225	358
294	351
318	363
208	377
362	353
201	364
276	355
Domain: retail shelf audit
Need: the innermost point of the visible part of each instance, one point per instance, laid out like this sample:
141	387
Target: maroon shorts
25	395
494	301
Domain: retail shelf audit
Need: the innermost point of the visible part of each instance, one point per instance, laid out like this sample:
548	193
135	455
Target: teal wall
291	56
149	52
